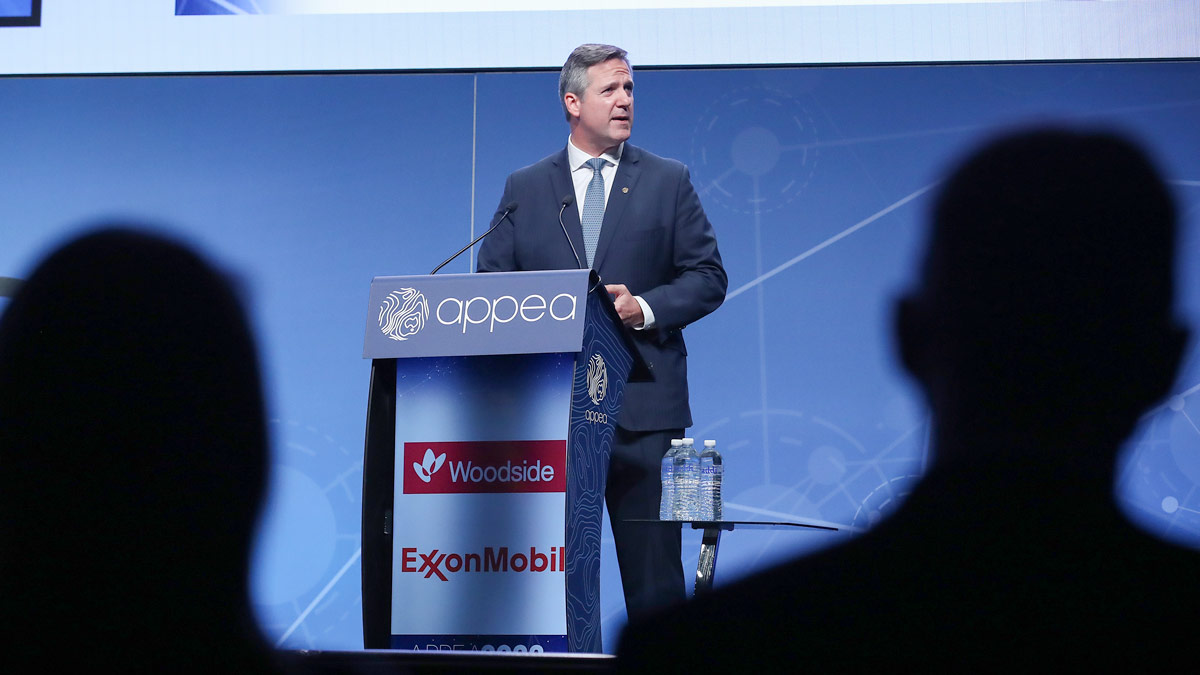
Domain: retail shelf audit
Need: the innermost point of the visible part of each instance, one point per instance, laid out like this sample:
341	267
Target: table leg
708	559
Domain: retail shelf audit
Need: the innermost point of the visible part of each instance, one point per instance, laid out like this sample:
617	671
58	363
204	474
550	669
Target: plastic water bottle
687	481
666	506
711	474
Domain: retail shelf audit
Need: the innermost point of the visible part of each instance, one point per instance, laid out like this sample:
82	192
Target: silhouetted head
132	441
1047	289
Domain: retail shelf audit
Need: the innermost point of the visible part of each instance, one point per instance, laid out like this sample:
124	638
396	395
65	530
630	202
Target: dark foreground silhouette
133	458
1041	327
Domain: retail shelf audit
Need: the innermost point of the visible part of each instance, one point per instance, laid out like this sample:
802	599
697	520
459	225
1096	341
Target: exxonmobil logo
485	467
438	564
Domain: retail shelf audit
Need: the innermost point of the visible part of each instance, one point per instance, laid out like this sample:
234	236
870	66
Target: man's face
602	118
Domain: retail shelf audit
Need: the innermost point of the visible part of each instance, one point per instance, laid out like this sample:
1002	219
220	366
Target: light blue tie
593	208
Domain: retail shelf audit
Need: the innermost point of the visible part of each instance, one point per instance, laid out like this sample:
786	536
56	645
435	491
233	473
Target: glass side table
711	540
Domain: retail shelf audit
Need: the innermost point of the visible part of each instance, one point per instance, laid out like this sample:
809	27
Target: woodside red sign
485	467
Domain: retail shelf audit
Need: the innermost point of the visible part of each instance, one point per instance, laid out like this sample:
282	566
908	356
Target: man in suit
635	218
1041	328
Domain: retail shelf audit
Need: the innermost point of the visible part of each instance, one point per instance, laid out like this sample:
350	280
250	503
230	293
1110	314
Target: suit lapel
618	198
560	180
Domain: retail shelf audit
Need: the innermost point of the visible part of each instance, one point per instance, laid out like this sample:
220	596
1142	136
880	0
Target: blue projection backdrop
816	179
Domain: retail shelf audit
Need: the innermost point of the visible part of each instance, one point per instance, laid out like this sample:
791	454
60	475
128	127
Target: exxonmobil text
437	563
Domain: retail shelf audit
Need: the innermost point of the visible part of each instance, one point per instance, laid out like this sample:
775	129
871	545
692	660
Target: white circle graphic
403	313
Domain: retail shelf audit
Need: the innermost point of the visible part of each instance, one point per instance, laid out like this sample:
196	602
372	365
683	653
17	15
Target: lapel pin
625	190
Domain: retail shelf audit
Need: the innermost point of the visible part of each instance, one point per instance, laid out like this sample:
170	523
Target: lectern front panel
478	546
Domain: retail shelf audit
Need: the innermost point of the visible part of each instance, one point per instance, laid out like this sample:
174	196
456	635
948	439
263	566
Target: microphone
508	208
567	201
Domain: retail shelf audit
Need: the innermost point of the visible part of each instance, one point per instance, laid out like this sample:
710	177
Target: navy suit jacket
655	239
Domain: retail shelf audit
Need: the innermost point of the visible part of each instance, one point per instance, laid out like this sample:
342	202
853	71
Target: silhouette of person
133	459
1041	327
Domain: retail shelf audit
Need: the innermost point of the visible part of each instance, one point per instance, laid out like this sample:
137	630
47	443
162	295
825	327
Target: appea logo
597	379
429	465
403	313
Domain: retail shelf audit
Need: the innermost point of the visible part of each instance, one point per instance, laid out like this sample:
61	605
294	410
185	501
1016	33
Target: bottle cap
710	444
676	442
688	441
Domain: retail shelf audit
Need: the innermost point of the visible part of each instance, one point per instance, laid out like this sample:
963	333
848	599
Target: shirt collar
576	158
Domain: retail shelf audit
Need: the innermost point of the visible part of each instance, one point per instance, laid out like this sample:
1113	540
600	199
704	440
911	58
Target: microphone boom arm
508	208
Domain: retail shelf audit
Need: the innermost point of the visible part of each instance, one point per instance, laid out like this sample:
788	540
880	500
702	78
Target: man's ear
572	101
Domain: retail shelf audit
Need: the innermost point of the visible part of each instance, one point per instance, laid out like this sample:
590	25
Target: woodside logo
485	467
429	465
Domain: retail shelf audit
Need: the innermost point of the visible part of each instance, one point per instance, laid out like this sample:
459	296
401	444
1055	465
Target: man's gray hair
574	76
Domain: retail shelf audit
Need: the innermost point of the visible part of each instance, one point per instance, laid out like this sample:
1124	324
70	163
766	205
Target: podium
490	419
